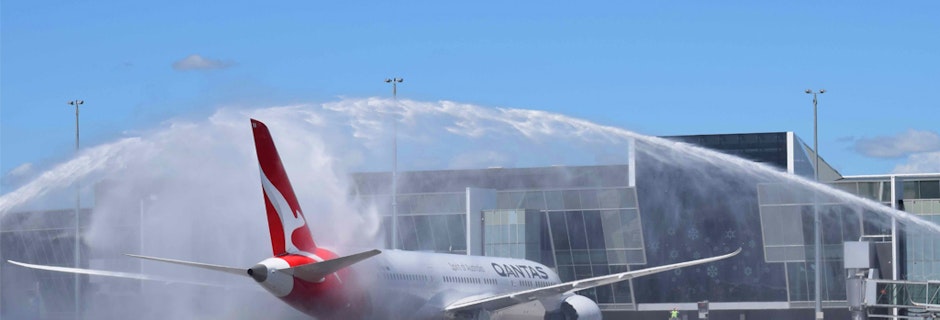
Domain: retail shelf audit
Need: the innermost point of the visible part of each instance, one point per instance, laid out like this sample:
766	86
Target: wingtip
21	264
732	254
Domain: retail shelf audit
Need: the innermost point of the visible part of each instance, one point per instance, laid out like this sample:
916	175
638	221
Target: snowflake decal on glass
673	254
712	271
729	234
752	243
654	246
747	271
692	233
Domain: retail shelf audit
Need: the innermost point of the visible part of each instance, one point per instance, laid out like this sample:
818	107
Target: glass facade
922	197
45	237
920	252
769	148
581	221
588	221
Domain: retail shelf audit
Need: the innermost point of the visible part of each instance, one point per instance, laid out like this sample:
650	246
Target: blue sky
659	68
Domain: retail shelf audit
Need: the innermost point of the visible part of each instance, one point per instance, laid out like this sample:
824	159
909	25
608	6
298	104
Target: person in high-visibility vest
674	314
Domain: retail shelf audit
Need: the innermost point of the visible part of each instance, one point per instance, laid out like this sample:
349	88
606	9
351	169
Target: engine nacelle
575	307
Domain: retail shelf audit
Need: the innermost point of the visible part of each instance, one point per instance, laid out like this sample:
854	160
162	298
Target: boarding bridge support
872	297
860	261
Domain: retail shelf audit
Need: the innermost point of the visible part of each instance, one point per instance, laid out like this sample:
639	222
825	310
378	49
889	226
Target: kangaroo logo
290	220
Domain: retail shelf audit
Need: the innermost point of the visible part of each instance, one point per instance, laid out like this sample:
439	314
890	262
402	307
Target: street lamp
817	225
78	205
394	82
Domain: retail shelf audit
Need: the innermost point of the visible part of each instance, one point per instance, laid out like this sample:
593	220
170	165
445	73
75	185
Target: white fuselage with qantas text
402	282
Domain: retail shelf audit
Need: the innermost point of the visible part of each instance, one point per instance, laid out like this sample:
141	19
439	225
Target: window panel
630	220
911	189
868	190
635	256
554	200
534	200
598	257
798	281
563	257
886	191
547	256
589	199
457	230
617	256
605	294
613	229
559	231
929	190
628	197
423	228
608	198
566	273
572	199
439	232
408	237
576	232
581	257
595	236
835	280
622	293
387	228
509	200
583	272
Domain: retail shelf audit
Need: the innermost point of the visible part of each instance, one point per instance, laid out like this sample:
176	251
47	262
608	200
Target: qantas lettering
519	271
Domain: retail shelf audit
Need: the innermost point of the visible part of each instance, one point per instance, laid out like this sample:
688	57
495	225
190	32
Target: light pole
817	225
78	205
394	82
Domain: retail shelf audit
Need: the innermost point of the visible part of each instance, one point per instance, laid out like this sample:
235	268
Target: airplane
393	284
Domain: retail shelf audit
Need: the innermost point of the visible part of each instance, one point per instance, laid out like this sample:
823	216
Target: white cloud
900	145
927	162
197	62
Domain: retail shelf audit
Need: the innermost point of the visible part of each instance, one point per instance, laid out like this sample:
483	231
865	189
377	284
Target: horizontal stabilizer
315	272
113	274
213	267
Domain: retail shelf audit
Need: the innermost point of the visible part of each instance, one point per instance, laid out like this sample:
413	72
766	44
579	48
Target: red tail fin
284	215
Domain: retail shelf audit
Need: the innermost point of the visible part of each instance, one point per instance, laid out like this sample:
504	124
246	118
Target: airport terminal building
587	221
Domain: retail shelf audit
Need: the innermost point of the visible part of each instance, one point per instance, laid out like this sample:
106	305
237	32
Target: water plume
193	184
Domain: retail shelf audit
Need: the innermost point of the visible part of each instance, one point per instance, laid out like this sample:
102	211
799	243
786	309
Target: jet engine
575	307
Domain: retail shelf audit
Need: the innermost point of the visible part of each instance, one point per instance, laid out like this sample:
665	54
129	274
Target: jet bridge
870	297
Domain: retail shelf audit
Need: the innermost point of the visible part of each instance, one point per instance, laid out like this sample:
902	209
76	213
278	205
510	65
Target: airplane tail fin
286	222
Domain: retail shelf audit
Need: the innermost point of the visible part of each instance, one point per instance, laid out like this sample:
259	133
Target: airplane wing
511	299
113	274
213	267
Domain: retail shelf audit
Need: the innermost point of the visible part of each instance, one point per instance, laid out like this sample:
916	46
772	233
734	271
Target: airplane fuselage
406	285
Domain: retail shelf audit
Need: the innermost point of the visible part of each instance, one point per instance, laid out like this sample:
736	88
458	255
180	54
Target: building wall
40	237
597	222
